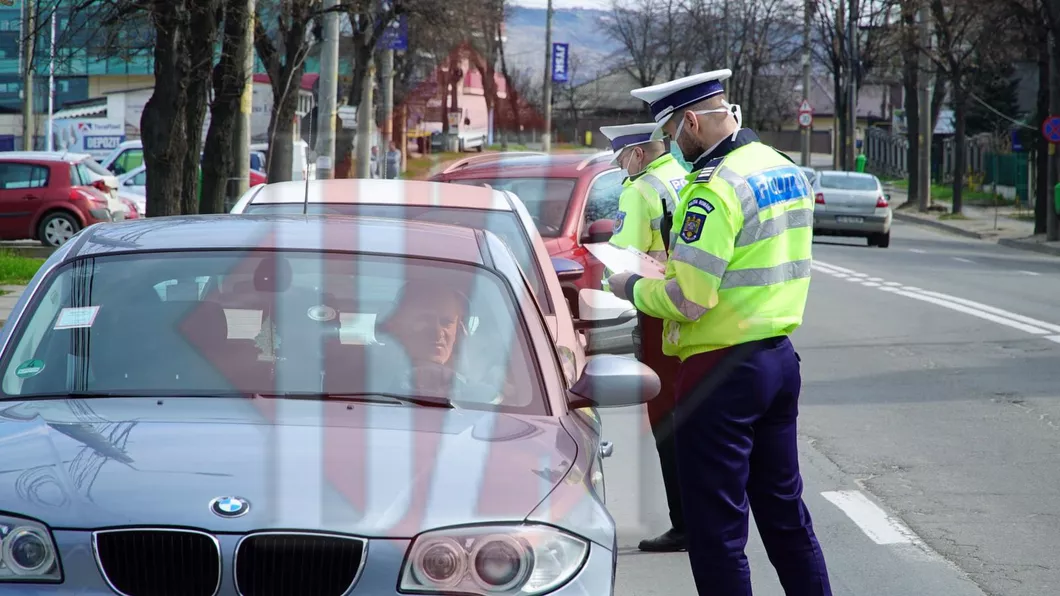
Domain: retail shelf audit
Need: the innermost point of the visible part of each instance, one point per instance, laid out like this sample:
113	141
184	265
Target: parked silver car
852	204
333	406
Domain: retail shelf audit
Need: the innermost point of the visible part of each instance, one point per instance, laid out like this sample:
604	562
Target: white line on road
876	279
966	310
1028	272
873	521
834	267
870	284
994	310
1055	338
918	251
963	260
893	284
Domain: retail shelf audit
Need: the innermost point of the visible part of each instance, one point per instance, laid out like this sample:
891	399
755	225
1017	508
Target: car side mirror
600	230
888	197
609	381
598	309
567	270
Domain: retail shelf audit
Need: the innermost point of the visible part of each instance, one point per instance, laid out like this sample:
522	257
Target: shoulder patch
692	227
620	219
708	170
702	204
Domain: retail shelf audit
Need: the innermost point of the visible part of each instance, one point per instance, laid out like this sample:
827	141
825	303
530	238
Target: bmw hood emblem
229	506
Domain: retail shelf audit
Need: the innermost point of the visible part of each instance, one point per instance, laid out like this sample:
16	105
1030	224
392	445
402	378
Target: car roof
281	232
45	155
414	193
558	165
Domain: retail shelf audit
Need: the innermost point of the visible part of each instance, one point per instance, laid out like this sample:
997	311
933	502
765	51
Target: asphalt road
930	420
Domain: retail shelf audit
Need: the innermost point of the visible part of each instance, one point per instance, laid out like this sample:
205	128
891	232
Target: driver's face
427	326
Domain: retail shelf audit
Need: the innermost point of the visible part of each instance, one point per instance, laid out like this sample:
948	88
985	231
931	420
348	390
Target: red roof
308	80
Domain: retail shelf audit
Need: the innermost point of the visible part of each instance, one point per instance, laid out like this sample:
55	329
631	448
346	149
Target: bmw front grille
158	561
274	563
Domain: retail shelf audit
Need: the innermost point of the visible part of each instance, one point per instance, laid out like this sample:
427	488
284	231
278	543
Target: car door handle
606	448
29	197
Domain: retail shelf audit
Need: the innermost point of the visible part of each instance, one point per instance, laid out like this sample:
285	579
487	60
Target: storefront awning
97	110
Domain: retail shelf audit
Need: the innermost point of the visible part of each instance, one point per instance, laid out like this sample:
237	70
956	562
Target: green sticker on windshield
29	368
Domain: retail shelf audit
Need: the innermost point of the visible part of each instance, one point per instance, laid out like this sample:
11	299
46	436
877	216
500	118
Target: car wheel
884	240
56	228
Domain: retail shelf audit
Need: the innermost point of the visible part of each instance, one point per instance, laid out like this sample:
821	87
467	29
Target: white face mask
725	109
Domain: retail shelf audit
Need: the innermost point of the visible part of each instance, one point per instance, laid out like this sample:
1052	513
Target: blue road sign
396	35
1051	129
1017	141
560	62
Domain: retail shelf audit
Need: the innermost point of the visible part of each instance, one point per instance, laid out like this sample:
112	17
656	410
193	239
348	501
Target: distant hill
582	28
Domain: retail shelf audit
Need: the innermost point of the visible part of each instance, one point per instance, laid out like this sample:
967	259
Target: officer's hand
617	284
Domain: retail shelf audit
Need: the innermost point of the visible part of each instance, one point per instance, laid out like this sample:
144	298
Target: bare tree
969	38
632	25
229	81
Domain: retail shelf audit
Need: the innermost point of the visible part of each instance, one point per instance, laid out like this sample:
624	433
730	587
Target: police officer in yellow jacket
735	288
644	222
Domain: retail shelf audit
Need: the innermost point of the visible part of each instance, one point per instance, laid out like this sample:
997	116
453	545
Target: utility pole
50	144
241	146
388	109
728	49
328	92
927	127
547	138
29	42
807	131
1052	226
364	123
851	150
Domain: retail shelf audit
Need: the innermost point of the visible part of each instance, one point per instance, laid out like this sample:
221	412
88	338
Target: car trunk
842	197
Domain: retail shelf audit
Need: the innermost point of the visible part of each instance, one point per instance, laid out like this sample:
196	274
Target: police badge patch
619	220
692	228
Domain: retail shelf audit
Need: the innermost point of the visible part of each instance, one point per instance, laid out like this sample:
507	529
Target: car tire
884	240
56	228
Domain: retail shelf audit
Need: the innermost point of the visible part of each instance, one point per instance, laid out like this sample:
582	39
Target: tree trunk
281	130
1044	196
200	49
162	125
961	111
910	85
840	108
218	167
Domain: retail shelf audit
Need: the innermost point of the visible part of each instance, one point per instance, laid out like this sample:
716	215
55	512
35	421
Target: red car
48	197
573	199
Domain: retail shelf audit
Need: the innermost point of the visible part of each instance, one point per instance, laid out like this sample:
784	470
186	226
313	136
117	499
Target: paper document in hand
630	259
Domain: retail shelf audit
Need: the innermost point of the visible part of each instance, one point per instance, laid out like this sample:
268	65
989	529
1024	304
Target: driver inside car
430	325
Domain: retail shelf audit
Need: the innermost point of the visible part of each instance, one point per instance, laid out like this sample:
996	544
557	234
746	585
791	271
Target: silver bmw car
265	405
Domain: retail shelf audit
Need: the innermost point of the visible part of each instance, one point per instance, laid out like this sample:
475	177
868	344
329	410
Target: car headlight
27	552
490	560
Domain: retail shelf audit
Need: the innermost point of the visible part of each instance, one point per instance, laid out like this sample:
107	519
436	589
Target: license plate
847	219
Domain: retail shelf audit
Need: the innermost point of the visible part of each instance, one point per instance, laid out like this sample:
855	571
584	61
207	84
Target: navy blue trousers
737	450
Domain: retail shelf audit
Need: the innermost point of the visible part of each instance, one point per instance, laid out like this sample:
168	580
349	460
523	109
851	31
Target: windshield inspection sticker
75	318
29	368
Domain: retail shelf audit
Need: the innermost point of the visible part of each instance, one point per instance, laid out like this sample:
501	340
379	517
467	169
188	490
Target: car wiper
427	401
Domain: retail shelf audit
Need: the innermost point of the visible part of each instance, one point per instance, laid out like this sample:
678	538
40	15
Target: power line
999	114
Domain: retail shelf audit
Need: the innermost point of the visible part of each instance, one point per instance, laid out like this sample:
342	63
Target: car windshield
547	199
281	324
849	182
505	224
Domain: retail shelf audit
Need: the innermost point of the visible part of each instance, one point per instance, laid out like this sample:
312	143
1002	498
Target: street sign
805	108
1051	129
1017	142
805	119
560	62
396	35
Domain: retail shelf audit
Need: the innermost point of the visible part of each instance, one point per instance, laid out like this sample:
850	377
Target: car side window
18	176
602	202
139	179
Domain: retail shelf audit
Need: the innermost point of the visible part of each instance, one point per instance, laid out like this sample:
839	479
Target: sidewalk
8	300
1004	225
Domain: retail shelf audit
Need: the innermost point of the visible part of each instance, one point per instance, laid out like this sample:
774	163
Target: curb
937	224
1021	244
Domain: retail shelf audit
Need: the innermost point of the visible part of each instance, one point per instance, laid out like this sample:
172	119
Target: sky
560	4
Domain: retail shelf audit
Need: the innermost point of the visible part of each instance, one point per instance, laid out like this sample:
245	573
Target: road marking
968	311
963	260
1028	272
876	279
855	274
1055	338
918	251
893	284
994	310
870	284
835	267
873	521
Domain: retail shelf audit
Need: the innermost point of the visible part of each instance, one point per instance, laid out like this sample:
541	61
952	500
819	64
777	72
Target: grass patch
16	270
419	168
511	147
952	216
